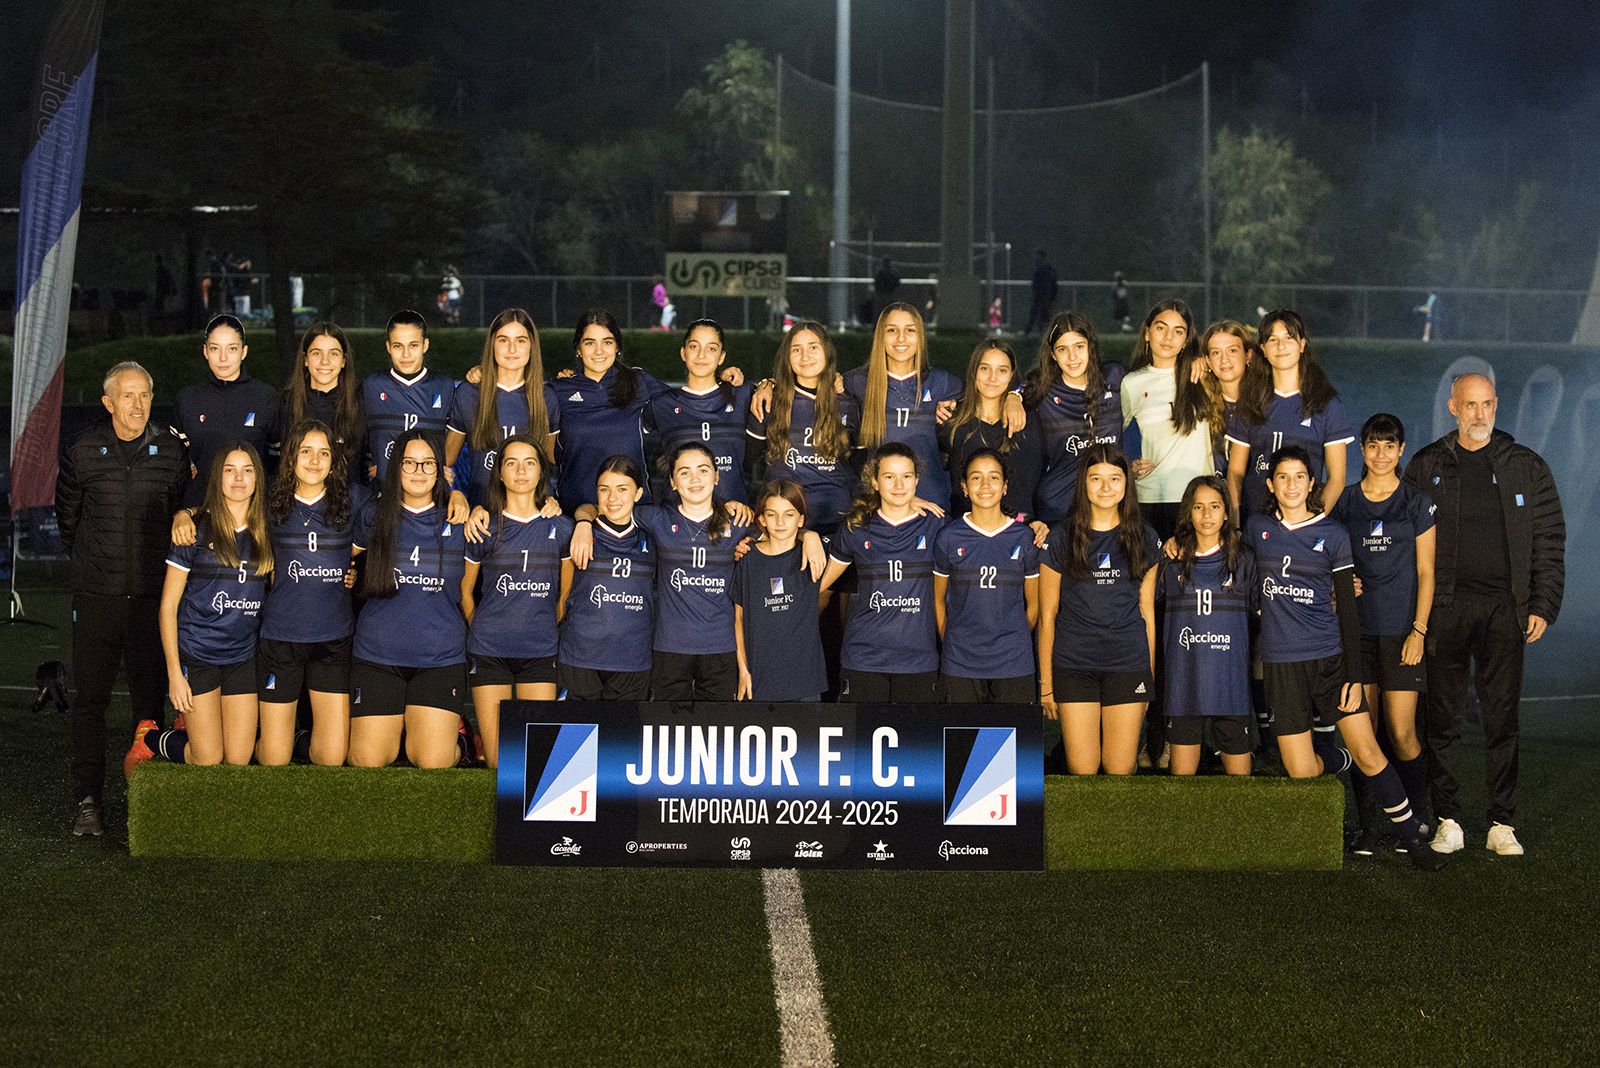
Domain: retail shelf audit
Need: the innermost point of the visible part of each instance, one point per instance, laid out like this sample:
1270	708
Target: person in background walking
1119	303
1426	310
1045	285
659	300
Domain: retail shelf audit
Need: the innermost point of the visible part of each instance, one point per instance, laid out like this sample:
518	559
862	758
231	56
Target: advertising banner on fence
727	244
941	787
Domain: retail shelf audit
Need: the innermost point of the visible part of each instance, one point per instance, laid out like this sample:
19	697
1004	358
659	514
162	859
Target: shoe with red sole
138	752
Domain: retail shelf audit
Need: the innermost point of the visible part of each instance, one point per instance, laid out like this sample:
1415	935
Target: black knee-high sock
302	747
1366	803
1414	775
168	744
1335	757
1391	795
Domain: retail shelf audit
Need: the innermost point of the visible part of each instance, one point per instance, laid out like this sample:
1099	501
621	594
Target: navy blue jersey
1296	564
308	601
1284	425
1205	649
782	640
891	629
221	606
325	407
592	429
1023	463
1098	625
829	484
715	420
986	631
396	405
694	614
421	626
520	574
1383	540
212	413
1219	442
512	406
611	610
1065	423
910	418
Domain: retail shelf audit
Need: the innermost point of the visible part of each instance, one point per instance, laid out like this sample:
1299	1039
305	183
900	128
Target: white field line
802	1017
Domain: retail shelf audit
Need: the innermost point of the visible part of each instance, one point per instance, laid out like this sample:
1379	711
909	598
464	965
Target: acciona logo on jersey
709	584
878	602
297	571
1220	642
1271	587
795	459
600	597
505	586
223	603
429	583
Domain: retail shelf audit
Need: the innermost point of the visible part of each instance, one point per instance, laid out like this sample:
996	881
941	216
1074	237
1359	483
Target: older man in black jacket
1498	580
118	487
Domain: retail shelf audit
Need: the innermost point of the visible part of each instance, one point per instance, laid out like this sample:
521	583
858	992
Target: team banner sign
727	244
616	784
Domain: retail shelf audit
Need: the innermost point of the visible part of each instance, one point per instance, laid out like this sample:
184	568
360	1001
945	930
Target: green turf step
310	813
1212	823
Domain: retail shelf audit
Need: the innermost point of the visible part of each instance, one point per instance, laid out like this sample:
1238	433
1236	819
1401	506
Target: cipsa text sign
939	787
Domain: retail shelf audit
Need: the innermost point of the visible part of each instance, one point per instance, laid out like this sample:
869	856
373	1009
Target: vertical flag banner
52	183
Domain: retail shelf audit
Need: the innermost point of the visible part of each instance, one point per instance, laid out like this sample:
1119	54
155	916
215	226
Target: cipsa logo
739	849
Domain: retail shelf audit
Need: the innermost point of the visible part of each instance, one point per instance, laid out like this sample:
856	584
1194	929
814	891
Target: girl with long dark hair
1293	405
1096	633
1076	404
604	651
409	671
507	397
309	618
986	594
992	378
1390	523
1163	394
890	650
526	568
1208	593
210	612
325	388
1311	645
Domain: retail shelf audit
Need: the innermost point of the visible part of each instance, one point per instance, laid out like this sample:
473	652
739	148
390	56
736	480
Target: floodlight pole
988	187
838	251
960	294
1205	176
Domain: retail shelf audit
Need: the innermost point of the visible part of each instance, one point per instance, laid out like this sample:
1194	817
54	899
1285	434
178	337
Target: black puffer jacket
1536	533
116	515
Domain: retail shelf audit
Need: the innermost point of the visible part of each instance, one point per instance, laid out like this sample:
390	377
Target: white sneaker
1449	837
1502	841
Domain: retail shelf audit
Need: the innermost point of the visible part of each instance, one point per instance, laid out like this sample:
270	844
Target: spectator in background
660	300
1045	286
450	295
1426	310
1499	571
166	287
116	492
885	284
1119	303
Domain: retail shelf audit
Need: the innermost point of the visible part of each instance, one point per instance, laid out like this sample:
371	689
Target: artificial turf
1146	822
109	959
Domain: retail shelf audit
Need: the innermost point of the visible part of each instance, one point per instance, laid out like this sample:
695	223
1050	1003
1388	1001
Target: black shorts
386	690
1104	688
1022	690
1230	734
1305	694
694	676
1380	665
234	680
880	688
510	671
592	684
283	669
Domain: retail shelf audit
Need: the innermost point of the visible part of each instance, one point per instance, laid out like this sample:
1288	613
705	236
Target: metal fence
1379	312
